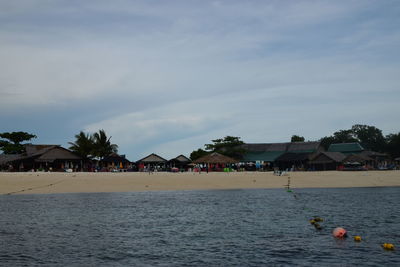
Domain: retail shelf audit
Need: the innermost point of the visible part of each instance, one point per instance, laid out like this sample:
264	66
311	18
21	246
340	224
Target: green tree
393	145
297	138
344	136
102	145
230	146
83	145
370	137
198	154
12	144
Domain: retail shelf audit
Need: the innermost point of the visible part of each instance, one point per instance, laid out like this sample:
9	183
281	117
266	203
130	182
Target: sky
167	77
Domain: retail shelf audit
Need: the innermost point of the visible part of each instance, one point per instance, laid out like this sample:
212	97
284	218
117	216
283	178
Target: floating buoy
388	246
318	219
312	221
357	238
339	232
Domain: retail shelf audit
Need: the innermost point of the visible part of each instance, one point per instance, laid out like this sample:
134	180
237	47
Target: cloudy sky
169	76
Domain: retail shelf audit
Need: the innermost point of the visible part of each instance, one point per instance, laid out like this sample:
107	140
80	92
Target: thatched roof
152	158
114	157
214	158
327	157
181	159
298	147
6	158
346	148
41	153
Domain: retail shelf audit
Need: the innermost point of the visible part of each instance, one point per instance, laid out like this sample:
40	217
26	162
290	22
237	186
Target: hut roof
303	147
55	153
42	153
152	158
6	158
327	157
298	147
182	159
346	148
114	157
215	158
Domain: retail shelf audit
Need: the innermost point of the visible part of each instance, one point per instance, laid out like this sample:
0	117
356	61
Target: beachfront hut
268	153
293	161
326	161
180	162
115	162
44	157
215	161
152	162
346	148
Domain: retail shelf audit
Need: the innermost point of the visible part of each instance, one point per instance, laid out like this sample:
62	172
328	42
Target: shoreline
83	182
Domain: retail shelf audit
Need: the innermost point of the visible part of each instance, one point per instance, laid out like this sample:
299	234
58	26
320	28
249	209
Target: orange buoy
339	232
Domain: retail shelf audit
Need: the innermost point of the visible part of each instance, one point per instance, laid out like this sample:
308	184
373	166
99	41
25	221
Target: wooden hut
114	162
180	162
45	157
152	162
327	161
215	161
268	153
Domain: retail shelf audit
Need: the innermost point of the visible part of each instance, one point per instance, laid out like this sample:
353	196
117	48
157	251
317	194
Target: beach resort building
282	155
115	162
42	157
152	162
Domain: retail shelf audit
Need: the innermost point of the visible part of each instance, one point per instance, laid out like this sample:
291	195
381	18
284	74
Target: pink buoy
339	232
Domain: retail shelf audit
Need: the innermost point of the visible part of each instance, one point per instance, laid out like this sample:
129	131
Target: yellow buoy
388	246
357	238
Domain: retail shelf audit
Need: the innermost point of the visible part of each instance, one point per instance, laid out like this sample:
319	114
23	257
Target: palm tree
102	145
83	146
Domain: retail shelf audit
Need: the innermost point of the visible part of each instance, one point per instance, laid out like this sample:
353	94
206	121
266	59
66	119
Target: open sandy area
50	183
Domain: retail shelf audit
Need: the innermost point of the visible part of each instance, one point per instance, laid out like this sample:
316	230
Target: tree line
98	144
370	137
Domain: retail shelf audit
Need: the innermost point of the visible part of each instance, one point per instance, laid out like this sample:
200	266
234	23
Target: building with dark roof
346	148
181	162
151	162
270	152
324	161
43	157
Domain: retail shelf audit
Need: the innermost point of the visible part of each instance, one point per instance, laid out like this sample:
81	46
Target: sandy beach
51	183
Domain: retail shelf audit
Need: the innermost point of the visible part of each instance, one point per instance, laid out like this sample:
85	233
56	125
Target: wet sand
51	183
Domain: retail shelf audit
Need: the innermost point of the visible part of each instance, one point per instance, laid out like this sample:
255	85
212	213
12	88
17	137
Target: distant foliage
393	145
198	154
12	143
95	145
229	146
369	137
297	138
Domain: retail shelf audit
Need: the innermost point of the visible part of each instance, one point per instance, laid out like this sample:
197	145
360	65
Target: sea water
200	228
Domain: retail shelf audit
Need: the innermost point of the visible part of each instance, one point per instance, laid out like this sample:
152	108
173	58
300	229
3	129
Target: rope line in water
315	222
33	188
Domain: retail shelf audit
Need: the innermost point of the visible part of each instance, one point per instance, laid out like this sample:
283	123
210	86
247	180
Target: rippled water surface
200	228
